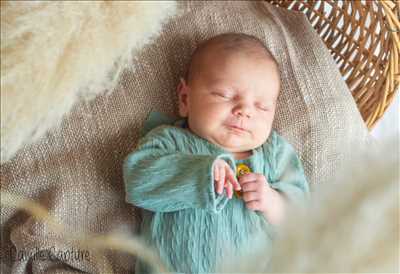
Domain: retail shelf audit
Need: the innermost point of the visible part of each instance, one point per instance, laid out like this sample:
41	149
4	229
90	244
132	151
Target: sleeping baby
218	181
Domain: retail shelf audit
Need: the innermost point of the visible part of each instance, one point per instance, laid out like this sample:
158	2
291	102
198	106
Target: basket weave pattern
363	38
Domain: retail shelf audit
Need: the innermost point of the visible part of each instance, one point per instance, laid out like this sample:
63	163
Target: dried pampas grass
351	226
55	52
96	243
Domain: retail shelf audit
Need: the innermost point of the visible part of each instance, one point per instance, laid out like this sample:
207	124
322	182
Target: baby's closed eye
263	107
222	94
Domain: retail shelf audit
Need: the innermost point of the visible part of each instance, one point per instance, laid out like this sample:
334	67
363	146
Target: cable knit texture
170	177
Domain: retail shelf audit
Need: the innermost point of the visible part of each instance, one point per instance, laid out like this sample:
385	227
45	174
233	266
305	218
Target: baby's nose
243	111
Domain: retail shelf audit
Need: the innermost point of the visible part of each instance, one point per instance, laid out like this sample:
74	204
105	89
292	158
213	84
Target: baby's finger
249	177
250	186
229	190
251	196
232	178
216	173
217	181
221	181
217	186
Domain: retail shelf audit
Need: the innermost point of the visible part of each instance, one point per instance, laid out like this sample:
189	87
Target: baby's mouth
237	128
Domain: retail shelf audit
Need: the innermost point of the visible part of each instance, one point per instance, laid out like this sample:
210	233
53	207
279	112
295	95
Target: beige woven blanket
75	171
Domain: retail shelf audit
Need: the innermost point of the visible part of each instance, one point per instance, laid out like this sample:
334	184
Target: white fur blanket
52	53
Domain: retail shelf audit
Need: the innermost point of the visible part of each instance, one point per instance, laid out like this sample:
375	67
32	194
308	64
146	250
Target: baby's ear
183	91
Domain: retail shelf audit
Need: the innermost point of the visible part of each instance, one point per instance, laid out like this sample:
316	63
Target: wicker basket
364	39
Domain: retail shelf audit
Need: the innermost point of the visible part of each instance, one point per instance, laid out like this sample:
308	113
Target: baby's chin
230	142
236	145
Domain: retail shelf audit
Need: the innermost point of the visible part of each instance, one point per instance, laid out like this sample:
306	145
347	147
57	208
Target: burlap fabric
75	171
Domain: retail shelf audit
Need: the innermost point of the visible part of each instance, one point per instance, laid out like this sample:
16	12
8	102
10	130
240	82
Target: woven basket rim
369	63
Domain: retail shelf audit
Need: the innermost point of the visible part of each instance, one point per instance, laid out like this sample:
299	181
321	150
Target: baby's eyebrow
216	81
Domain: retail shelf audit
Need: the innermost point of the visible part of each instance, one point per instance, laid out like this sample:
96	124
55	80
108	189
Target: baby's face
231	102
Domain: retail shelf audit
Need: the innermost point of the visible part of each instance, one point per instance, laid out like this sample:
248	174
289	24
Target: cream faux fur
52	53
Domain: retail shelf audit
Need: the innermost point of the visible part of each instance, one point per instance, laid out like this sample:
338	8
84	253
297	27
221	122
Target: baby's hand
224	177
258	195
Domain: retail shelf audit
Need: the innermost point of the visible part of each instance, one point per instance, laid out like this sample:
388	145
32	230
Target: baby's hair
231	43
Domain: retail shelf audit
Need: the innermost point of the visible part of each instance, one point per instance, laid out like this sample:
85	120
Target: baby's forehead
217	66
217	61
226	51
225	47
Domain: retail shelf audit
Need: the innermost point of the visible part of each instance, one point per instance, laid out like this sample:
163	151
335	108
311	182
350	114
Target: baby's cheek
262	132
207	121
212	116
